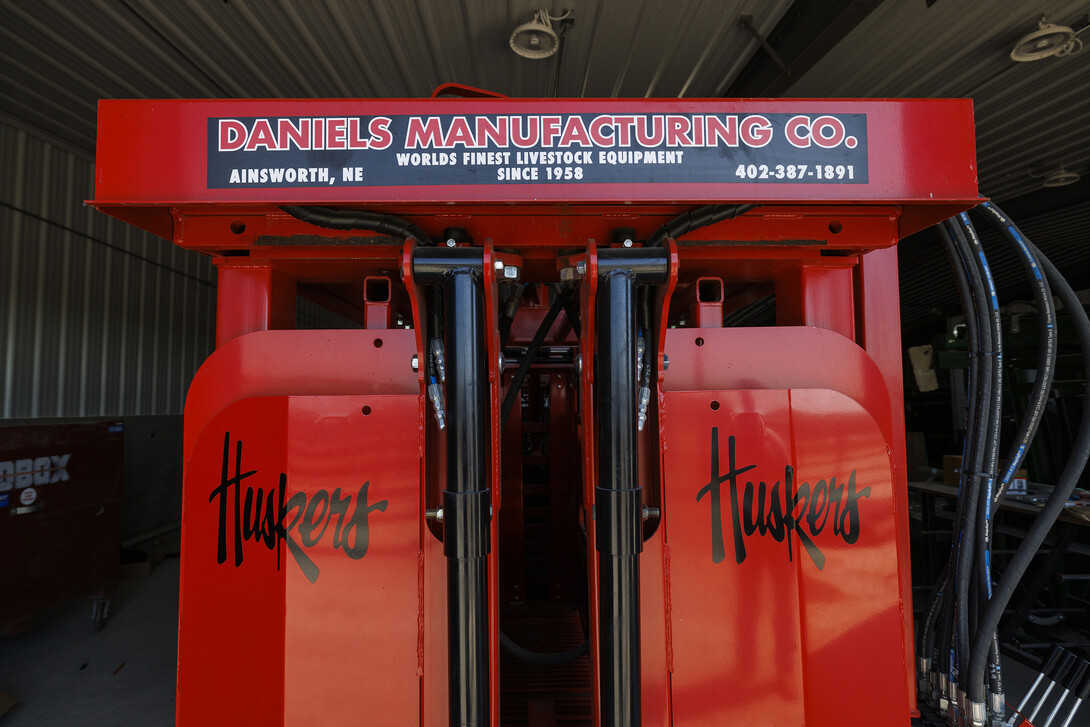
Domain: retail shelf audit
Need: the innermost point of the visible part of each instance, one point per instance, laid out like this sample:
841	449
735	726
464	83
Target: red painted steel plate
785	603
258	642
308	612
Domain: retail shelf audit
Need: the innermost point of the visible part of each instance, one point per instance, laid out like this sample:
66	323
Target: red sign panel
366	151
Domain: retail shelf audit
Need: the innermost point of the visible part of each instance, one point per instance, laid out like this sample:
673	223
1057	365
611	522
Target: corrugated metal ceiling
1029	115
59	57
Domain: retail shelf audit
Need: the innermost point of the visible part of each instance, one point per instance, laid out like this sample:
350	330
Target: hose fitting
435	394
436	350
978	712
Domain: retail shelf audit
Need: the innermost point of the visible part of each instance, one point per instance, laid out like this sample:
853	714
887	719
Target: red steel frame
766	640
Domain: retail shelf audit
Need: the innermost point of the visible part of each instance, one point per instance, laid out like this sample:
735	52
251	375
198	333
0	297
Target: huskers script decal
795	509
268	517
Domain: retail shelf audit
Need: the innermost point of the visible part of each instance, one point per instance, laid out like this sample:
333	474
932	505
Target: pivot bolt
581	268
414	362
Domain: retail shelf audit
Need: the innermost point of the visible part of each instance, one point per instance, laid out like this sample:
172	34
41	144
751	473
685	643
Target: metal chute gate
545	425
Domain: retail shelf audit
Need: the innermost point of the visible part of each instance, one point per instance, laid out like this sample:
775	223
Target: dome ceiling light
1047	41
537	39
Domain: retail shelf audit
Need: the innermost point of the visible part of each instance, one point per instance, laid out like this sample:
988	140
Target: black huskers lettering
803	511
260	516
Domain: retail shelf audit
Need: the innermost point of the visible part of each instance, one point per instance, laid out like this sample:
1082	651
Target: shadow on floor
63	672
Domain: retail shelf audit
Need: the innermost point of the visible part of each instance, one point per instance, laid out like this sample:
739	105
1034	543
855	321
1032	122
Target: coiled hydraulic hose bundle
959	647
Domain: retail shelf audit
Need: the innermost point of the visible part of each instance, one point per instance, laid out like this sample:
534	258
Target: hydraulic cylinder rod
618	502
466	498
466	501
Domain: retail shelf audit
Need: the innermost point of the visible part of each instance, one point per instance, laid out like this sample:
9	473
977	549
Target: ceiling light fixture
1061	177
1047	41
537	39
1054	175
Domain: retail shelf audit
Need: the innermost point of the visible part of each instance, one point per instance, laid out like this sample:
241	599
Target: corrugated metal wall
96	318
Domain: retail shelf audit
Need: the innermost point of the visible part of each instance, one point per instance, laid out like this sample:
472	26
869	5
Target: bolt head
498	265
627	243
581	267
451	242
415	362
510	272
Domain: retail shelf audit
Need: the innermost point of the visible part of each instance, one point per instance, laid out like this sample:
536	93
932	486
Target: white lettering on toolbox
21	473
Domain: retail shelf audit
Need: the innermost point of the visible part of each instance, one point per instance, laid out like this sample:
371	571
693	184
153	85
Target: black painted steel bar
431	264
466	500
648	264
617	501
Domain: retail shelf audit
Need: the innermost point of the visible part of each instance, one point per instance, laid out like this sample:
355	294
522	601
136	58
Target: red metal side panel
736	642
260	642
317	593
784	592
354	631
852	619
231	615
775	632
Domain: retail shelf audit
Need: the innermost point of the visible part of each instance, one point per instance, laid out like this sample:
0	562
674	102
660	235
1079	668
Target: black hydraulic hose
956	613
533	657
991	450
1046	355
934	607
531	351
571	310
335	219
944	658
693	219
1046	314
510	308
1037	532
966	550
943	655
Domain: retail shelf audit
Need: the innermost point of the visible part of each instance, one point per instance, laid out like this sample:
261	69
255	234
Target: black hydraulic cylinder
618	505
466	500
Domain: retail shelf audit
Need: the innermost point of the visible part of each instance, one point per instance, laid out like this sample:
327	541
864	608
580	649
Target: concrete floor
64	673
